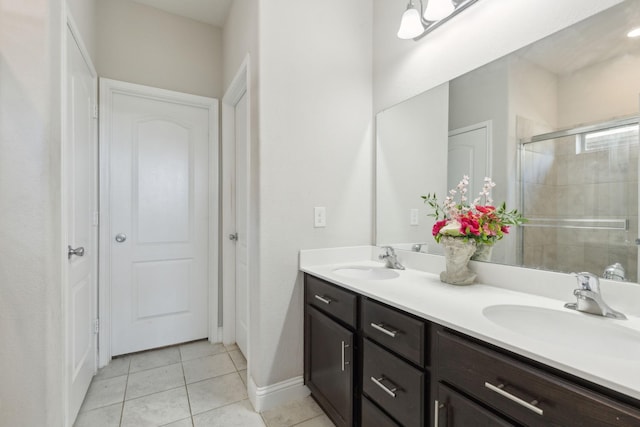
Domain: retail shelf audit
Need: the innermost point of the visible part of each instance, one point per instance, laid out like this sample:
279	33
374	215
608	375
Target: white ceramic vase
482	253
457	253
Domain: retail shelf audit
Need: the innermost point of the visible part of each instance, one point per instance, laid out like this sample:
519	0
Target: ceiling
213	12
596	39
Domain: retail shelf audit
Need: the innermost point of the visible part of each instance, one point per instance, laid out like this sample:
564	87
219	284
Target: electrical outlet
319	217
414	217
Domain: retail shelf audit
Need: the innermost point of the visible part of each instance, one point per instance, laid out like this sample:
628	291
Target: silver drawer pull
389	391
344	363
529	405
380	327
324	299
436	412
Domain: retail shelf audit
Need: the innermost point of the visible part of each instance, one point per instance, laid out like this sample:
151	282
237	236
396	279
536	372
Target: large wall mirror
555	124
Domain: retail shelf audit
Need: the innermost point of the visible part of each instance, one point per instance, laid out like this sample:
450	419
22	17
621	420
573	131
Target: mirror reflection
554	124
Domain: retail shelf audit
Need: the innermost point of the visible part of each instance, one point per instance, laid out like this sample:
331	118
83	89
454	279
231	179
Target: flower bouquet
469	227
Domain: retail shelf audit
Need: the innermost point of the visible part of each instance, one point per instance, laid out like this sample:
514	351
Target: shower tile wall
600	184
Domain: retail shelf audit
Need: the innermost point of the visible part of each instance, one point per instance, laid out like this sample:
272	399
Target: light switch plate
413	214
319	217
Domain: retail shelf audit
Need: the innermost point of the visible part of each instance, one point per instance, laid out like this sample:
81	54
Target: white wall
486	31
239	38
30	244
418	126
84	15
600	92
315	150
144	45
533	94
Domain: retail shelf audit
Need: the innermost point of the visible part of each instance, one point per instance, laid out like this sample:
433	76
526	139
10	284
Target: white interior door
469	154
241	211
80	207
159	218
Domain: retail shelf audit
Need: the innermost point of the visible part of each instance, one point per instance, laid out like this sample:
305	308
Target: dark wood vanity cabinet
371	365
329	349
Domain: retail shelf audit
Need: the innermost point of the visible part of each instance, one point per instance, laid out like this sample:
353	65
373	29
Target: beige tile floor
191	385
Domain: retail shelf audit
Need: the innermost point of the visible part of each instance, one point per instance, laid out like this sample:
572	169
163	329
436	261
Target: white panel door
80	167
159	166
241	208
469	151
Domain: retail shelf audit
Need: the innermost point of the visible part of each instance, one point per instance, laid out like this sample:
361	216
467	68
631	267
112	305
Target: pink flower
485	209
488	230
505	229
469	225
437	226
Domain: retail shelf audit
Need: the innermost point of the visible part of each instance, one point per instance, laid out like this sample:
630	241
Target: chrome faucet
614	272
390	258
589	299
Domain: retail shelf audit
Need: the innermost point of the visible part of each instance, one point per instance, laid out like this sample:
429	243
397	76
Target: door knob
77	251
121	237
233	237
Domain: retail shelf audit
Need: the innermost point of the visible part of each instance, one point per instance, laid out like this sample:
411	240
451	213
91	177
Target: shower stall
579	191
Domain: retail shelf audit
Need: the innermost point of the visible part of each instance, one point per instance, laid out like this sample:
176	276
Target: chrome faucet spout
390	258
589	299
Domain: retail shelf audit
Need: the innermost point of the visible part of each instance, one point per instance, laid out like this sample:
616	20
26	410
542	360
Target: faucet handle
588	281
388	251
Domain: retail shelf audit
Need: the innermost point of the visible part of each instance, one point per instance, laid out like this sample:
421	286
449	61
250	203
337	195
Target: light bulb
410	25
438	9
634	33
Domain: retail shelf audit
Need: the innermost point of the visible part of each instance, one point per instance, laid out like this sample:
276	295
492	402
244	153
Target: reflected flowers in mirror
479	220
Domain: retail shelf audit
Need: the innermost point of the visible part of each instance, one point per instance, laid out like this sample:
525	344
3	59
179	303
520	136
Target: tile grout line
124	395
186	390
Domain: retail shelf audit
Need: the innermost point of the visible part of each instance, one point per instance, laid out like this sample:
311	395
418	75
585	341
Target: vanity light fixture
634	33
438	9
415	23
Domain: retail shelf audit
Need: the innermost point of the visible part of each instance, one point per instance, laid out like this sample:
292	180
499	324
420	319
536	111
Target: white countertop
461	308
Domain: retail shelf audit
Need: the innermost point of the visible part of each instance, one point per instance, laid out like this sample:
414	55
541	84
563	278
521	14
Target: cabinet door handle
344	346
436	412
380	327
389	391
323	299
500	390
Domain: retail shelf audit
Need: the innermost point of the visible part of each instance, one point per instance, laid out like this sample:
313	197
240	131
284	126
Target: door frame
240	85
107	88
70	27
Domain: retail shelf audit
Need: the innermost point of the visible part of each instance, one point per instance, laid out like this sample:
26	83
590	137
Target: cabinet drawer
372	416
331	299
393	384
524	393
395	330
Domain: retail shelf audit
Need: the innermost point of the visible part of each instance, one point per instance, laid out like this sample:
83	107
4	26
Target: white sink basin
366	273
581	332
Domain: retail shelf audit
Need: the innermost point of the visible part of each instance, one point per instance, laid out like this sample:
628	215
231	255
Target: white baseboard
265	398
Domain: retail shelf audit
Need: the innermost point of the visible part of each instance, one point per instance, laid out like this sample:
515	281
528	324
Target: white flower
451	229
